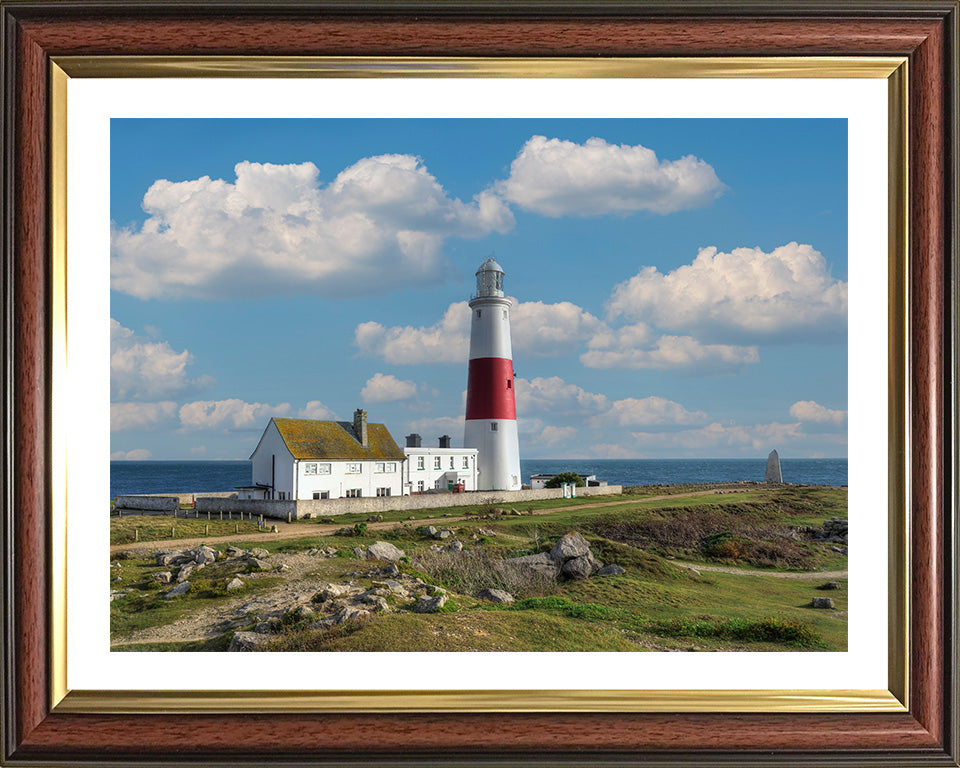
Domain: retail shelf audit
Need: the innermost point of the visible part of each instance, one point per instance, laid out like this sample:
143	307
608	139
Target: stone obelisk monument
773	469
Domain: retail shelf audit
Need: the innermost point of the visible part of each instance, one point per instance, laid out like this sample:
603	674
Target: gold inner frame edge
894	69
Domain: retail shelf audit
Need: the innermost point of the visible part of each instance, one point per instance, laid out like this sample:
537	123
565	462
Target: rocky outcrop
180	589
248	641
610	570
570	557
495	596
430	604
823	602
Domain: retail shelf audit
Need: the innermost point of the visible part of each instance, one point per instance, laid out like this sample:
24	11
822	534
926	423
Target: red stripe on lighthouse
490	389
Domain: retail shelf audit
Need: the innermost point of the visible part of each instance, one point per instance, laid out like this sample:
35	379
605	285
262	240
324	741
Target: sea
135	477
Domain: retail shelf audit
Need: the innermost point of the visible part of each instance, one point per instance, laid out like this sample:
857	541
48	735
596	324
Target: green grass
158	528
220	643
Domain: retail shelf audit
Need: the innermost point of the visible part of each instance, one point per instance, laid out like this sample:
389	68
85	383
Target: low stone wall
375	504
147	503
253	507
187	498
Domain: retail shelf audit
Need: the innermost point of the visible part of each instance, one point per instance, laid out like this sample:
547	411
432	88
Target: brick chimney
360	426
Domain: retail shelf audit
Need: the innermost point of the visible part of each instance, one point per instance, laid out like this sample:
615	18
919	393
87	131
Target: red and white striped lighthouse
491	419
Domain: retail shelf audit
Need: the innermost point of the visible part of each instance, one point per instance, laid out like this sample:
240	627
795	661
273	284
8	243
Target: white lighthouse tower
491	419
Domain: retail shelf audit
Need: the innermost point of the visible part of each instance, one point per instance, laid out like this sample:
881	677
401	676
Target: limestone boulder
582	567
823	602
163	577
383	550
235	552
495	596
569	546
180	589
248	641
256	564
259	553
430	604
235	584
610	570
204	555
541	563
167	558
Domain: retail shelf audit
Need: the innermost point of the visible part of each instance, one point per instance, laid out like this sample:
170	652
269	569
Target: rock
839	550
331	591
542	563
248	641
830	585
167	558
260	554
395	587
390	571
446	533
359	552
331	551
375	519
204	555
180	589
580	567
495	596
430	604
235	583
348	613
455	546
185	571
380	605
257	564
484	532
164	577
610	570
235	552
570	545
116	595
823	602
126	554
383	550
283	567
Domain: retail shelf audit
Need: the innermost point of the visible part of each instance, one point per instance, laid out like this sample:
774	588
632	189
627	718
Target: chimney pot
445	441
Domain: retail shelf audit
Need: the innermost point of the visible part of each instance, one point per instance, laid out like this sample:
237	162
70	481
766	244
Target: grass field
761	534
131	528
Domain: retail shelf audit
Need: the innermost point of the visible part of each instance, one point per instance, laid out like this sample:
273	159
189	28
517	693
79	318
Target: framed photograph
129	132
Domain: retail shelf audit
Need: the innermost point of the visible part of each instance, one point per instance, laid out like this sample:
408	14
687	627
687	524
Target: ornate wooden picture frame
47	41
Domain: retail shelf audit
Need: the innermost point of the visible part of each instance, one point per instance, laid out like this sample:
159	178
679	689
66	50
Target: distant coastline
133	477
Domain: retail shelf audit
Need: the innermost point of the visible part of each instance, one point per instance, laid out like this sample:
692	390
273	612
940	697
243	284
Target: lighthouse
491	418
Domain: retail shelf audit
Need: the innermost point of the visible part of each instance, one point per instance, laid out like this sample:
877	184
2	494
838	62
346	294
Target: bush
470	571
564	478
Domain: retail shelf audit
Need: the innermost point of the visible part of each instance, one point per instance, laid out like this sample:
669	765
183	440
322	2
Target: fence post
208	514
236	527
171	531
136	534
288	517
206	530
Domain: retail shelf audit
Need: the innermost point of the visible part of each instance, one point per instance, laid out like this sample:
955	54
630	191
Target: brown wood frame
925	32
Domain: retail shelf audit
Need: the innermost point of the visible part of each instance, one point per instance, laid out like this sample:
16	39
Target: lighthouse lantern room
491	417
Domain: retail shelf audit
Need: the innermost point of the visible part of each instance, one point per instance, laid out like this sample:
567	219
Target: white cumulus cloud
787	293
678	353
555	396
432	428
385	388
555	178
231	414
537	330
137	454
140	415
634	411
755	438
314	409
147	370
277	229
808	410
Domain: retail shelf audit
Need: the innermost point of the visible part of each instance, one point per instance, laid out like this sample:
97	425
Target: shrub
564	478
470	571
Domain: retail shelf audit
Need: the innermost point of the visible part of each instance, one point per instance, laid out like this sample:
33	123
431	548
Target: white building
309	459
540	481
438	469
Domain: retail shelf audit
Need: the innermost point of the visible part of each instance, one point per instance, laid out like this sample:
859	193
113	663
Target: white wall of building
273	463
337	478
421	467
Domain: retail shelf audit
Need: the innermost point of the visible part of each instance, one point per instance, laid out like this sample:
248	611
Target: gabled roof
310	439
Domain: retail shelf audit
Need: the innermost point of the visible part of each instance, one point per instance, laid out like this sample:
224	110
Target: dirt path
754	572
305	531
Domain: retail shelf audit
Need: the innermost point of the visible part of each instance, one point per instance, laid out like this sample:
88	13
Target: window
452	462
324	494
478	313
316	494
383	491
494	427
420	485
436	462
380	467
391	466
353	468
504	314
466	462
323	469
419	462
282	495
310	468
354	493
509	384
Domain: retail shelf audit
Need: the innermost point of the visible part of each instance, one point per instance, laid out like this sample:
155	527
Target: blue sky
680	284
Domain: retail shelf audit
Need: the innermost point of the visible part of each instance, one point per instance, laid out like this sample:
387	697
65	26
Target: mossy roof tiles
309	439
